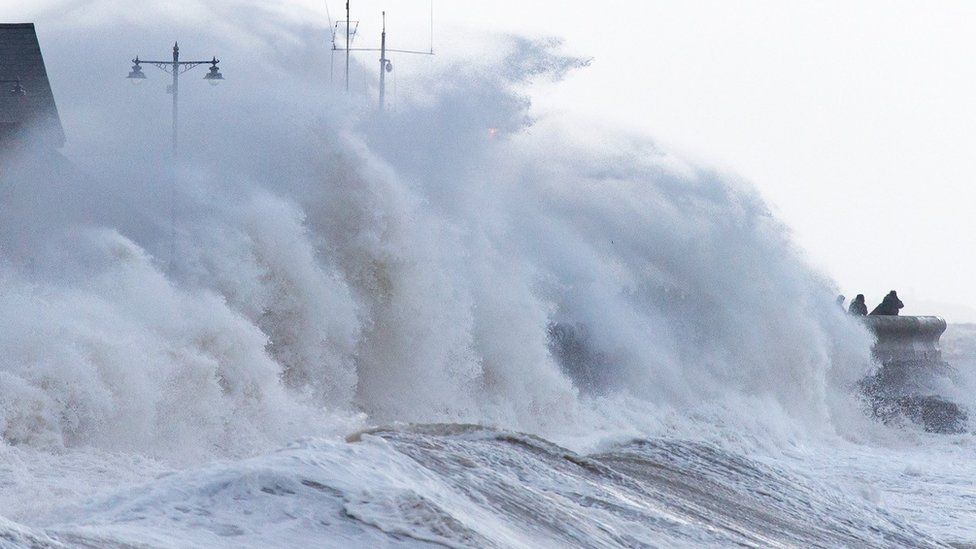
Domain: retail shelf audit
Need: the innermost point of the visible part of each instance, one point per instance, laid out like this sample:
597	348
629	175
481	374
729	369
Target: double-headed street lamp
176	68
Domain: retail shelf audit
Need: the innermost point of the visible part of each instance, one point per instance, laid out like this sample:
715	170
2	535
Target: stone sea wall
912	373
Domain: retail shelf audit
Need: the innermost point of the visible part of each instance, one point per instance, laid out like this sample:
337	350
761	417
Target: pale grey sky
856	120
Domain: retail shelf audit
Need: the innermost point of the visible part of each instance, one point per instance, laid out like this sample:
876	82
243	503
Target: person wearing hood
889	306
858	307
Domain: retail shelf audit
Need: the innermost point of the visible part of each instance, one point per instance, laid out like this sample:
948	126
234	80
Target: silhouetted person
889	305
858	307
840	301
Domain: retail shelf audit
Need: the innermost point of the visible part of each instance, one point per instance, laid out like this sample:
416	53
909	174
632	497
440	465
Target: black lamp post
176	68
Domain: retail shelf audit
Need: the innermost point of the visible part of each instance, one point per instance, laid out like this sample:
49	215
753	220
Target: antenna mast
347	46
386	66
350	33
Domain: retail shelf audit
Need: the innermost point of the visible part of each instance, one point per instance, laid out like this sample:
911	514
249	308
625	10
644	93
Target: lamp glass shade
213	77
136	74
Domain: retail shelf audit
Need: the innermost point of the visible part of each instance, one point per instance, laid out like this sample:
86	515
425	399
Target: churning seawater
453	325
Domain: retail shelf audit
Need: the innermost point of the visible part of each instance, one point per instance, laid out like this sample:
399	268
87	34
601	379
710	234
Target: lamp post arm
167	66
178	62
187	65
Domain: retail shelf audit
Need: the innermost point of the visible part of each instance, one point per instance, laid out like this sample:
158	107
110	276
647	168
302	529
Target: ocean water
458	324
470	486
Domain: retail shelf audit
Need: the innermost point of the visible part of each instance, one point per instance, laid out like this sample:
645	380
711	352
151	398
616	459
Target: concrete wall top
929	328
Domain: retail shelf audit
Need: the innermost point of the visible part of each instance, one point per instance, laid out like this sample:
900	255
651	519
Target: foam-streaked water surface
461	485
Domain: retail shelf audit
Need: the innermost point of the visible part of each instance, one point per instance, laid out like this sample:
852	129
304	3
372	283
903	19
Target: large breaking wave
421	268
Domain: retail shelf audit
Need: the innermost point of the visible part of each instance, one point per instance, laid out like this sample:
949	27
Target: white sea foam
351	270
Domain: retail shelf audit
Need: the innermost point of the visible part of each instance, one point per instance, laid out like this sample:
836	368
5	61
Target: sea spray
522	279
413	267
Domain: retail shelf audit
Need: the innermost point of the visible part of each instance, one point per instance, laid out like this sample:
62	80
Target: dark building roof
34	112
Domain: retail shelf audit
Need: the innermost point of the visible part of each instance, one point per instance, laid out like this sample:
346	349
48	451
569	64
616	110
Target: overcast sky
856	120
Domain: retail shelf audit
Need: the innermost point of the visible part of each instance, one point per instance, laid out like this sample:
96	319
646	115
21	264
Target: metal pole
176	96
383	66
176	126
347	46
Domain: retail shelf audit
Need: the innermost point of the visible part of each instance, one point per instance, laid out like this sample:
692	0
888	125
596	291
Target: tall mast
176	96
383	62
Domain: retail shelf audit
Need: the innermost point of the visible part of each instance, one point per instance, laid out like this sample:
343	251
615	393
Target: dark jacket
858	308
889	306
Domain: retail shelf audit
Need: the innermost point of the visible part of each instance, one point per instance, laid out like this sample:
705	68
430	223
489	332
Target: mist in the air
310	263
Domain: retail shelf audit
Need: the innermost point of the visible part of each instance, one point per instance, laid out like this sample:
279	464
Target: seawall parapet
908	347
913	374
907	337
